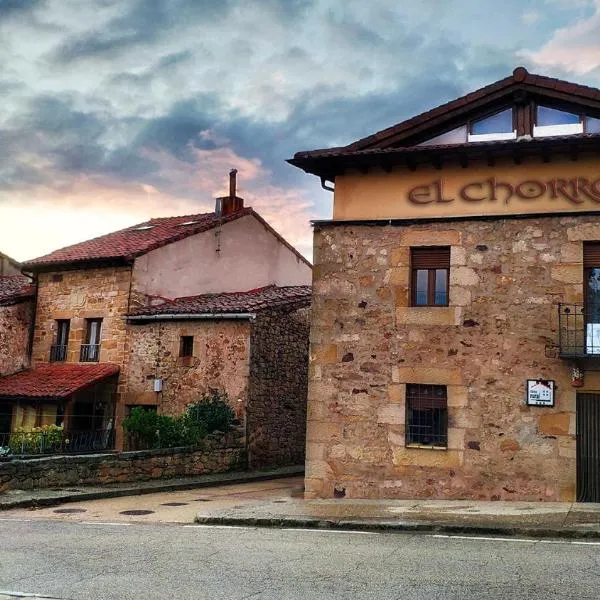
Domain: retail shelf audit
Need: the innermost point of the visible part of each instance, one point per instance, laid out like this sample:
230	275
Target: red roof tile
54	380
14	288
233	302
134	241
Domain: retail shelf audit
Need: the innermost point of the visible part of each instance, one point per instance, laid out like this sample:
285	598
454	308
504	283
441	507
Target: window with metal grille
186	345
426	415
430	275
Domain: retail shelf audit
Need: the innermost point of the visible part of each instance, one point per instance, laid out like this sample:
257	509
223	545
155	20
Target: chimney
227	205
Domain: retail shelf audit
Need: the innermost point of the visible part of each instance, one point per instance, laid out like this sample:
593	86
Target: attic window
552	121
454	136
498	126
143	228
592	125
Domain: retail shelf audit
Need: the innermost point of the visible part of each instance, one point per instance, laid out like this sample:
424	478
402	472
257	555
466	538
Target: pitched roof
14	288
133	241
126	244
54	380
520	80
231	302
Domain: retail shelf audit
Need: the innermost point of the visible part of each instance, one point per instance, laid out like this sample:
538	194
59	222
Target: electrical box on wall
157	385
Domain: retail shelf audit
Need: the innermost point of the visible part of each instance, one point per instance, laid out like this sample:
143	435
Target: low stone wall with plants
216	453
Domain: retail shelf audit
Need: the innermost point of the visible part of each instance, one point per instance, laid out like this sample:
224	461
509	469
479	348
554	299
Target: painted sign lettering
573	191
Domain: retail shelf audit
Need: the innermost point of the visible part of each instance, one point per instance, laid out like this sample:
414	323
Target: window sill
425	447
185	361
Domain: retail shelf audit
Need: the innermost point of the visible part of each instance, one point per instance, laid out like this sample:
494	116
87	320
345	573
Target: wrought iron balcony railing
89	353
578	332
58	353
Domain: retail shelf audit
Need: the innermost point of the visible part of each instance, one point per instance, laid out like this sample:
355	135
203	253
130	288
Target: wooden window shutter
437	257
591	255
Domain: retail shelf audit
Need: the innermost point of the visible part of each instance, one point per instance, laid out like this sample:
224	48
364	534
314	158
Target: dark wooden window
426	415
58	350
430	275
186	345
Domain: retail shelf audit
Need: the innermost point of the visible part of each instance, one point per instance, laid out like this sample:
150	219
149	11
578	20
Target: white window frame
489	137
552	130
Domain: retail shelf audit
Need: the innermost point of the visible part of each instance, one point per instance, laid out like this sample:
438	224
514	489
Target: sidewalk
54	497
530	519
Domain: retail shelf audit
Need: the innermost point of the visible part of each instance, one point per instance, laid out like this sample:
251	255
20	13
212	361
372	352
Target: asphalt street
81	560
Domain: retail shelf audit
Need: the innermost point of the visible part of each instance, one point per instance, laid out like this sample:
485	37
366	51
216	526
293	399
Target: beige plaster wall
250	257
381	195
501	328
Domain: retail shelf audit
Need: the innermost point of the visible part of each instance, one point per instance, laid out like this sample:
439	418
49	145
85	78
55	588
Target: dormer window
592	125
552	121
498	126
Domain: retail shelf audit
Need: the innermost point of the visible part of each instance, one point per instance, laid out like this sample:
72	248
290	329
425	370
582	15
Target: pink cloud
41	218
575	48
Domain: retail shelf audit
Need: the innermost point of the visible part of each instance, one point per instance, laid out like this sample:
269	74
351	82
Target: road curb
401	527
230	478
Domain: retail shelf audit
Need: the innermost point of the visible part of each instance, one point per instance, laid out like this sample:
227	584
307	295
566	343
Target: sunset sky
115	111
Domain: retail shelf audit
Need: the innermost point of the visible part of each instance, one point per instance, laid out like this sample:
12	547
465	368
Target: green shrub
39	440
213	411
149	430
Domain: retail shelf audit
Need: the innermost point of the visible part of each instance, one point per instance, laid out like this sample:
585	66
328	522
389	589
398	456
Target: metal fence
55	442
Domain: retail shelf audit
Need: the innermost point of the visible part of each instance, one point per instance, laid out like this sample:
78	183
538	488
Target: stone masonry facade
220	361
276	412
15	326
507	277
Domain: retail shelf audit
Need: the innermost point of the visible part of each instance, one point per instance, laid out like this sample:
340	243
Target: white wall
250	257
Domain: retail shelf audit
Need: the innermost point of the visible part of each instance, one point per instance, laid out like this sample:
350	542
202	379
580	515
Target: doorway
588	447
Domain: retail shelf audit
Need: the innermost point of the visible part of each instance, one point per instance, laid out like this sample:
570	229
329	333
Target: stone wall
276	416
15	326
220	361
79	295
500	329
215	455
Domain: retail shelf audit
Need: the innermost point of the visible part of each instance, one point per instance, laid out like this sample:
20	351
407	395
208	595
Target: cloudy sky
115	111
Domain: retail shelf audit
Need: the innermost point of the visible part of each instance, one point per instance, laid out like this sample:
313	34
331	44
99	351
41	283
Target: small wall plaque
540	392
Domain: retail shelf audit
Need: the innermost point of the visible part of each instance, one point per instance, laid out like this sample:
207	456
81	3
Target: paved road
76	560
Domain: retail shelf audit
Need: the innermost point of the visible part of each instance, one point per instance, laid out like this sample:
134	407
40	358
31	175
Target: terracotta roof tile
14	288
233	302
55	380
134	241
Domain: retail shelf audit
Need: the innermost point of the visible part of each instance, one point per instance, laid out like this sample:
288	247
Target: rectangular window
186	345
552	121
430	273
58	350
90	351
426	415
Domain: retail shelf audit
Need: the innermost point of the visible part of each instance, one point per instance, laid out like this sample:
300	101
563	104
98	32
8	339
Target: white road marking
218	526
105	523
352	531
520	540
23	595
16	520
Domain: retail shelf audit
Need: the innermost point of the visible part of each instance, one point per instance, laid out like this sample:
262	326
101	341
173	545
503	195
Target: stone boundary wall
216	455
278	389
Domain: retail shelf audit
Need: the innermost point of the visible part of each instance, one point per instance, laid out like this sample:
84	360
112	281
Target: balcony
89	353
58	353
577	336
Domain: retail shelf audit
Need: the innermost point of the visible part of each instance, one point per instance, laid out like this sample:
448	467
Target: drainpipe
325	186
191	317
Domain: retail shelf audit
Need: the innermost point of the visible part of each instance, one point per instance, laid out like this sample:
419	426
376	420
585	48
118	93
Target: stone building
16	321
455	329
86	294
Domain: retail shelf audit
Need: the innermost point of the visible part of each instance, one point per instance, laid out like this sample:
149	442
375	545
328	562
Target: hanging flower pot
576	377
